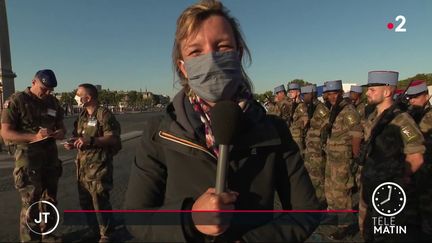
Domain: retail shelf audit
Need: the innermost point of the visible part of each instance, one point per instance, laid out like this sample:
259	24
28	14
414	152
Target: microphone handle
222	166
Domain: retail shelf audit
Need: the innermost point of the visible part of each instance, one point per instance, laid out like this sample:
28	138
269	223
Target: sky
126	44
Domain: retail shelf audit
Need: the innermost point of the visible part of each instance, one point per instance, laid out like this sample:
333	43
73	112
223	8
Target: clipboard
45	139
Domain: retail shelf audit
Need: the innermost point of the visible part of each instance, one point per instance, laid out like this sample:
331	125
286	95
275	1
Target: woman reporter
175	164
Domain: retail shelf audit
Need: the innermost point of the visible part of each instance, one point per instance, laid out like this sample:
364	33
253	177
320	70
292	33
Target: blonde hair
189	22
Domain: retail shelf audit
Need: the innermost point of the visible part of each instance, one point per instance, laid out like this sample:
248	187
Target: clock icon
388	199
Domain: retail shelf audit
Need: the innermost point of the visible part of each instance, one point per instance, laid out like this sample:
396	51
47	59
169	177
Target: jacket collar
256	130
184	121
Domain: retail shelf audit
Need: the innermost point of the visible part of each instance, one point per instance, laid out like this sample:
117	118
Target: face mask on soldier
215	76
79	101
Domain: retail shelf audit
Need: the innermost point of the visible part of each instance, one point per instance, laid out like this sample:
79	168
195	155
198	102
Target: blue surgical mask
215	76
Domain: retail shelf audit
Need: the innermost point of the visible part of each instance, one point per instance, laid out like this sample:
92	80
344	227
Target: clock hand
390	191
388	199
389	196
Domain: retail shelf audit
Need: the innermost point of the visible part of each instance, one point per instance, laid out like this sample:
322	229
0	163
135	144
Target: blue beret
417	87
377	78
47	77
279	89
356	89
334	85
307	89
292	86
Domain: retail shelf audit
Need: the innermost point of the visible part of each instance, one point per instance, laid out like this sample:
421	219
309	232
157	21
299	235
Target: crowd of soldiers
353	144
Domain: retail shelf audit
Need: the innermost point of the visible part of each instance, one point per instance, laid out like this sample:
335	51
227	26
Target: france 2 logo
400	27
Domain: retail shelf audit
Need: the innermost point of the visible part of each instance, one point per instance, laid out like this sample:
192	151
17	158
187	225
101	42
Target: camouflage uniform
379	168
298	125
271	108
424	176
37	167
360	108
339	180
313	156
285	109
95	168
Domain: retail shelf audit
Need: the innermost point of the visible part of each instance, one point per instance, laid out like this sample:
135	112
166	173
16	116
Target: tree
68	98
147	102
133	98
301	82
268	95
107	97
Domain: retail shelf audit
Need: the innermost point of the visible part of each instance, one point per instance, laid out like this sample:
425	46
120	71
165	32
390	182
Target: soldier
325	97
421	111
299	119
393	151
355	97
33	120
272	106
420	108
360	105
314	158
344	133
294	92
293	99
283	104
97	138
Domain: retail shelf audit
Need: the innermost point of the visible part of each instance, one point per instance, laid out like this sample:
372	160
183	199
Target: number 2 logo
400	27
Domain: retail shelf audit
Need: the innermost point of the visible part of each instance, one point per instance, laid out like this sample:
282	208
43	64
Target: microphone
225	118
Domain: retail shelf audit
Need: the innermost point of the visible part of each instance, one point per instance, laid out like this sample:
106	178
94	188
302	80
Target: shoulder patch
409	133
302	108
409	129
352	118
322	111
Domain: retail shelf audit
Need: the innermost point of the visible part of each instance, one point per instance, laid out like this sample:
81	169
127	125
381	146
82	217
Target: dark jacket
173	167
